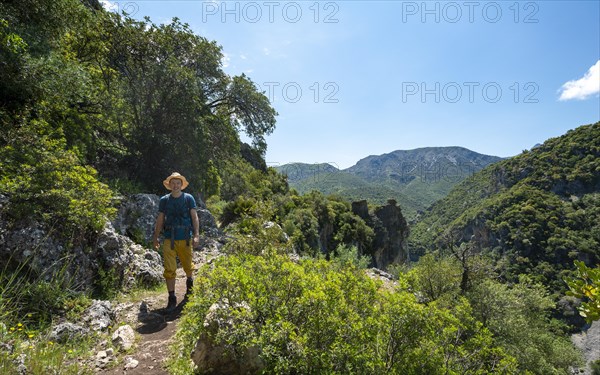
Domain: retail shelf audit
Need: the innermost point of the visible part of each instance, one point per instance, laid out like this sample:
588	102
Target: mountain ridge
414	178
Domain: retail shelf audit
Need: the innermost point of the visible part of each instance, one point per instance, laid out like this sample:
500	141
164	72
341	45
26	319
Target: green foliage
215	205
212	181
586	285
434	277
46	181
345	255
29	298
535	213
39	356
303	228
106	284
254	236
315	224
177	109
518	316
320	317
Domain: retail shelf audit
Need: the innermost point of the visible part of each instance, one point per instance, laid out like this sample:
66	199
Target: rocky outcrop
391	232
588	342
36	248
136	217
111	254
212	357
130	263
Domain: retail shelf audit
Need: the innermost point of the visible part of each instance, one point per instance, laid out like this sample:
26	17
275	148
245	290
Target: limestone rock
103	358
131	363
64	332
129	262
124	337
99	315
136	217
391	232
215	358
588	342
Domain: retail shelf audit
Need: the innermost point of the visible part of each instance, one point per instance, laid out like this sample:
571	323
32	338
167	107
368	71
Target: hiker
177	219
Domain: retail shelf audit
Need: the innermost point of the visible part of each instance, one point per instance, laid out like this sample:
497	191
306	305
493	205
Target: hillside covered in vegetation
96	106
534	213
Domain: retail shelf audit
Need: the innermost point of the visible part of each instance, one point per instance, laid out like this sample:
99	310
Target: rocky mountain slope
414	178
535	212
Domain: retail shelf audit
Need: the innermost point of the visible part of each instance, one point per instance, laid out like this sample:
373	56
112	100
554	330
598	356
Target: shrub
44	180
320	317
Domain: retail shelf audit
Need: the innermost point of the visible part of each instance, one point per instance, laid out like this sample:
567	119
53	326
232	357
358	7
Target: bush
319	317
44	180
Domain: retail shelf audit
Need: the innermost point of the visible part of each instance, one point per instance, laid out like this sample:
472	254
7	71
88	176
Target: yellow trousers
183	250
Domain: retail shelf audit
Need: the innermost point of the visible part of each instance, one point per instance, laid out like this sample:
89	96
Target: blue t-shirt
177	215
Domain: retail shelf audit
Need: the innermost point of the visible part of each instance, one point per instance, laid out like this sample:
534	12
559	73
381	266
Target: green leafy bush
586	285
44	180
318	317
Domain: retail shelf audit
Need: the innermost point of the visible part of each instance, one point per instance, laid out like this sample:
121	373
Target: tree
433	277
518	316
181	109
586	285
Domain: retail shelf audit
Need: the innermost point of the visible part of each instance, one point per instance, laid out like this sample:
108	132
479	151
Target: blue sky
356	78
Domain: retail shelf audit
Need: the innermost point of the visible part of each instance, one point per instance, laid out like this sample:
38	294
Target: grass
28	305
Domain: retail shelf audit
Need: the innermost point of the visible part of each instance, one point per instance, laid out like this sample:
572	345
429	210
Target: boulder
123	338
211	357
136	217
99	315
67	331
131	263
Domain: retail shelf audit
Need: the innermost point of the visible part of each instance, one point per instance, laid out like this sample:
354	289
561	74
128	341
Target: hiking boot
189	283
172	303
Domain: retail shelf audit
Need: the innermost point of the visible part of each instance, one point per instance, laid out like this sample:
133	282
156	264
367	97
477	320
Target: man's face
175	184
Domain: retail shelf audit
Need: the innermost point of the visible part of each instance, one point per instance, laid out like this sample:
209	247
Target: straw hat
173	175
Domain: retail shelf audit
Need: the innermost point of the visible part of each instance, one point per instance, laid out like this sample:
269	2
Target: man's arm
196	223
160	220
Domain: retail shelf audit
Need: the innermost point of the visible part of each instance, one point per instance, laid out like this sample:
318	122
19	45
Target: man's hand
156	243
196	240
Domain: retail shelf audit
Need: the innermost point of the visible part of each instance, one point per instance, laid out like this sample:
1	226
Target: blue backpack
177	213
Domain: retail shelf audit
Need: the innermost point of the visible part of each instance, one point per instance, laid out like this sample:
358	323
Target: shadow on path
156	320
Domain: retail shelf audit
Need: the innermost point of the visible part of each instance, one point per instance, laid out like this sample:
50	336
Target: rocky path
155	328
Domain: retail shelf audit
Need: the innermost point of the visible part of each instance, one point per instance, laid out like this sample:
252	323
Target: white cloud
266	51
109	6
583	87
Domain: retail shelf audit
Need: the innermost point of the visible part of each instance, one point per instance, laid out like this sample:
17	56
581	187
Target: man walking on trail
177	219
